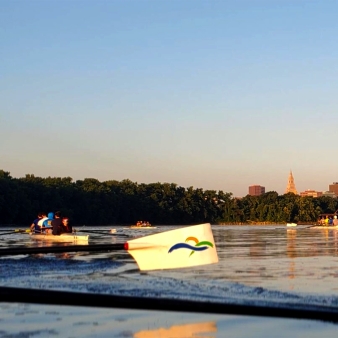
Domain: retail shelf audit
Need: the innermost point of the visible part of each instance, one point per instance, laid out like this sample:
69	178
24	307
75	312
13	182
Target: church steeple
291	187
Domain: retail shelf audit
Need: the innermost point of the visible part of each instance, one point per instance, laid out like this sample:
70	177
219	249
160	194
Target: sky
218	95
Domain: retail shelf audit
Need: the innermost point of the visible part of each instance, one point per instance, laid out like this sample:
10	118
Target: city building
334	188
311	193
329	193
291	187
256	190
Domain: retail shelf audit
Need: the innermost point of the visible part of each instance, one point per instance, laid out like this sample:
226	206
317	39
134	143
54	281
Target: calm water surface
261	264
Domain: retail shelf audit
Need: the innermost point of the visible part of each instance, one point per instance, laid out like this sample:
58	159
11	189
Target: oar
95	230
42	296
59	249
17	230
98	232
13	232
179	248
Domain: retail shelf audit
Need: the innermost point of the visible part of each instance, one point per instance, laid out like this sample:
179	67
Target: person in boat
61	225
66	227
57	223
39	227
34	226
335	220
47	223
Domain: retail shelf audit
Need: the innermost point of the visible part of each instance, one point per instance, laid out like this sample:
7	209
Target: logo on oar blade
199	246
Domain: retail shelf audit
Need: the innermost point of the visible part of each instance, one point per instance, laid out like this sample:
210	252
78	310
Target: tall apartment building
256	190
334	188
291	187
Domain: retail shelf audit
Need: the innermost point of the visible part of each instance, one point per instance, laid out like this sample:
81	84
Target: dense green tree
90	201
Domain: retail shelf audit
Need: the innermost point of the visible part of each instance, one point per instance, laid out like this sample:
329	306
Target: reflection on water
291	252
179	331
291	235
302	259
20	320
25	320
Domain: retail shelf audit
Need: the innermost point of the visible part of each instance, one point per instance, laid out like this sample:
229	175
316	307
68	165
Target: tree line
92	202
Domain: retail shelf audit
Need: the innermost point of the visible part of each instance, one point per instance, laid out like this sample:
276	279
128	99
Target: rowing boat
333	227
140	227
65	238
291	224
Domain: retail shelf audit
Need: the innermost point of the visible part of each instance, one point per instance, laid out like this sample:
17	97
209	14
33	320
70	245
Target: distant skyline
211	94
139	182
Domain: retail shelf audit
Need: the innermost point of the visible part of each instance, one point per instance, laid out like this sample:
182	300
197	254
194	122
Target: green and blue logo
199	245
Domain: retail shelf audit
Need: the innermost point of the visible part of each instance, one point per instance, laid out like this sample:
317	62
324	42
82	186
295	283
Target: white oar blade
179	248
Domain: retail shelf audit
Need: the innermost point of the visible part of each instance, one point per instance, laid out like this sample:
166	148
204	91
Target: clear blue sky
211	94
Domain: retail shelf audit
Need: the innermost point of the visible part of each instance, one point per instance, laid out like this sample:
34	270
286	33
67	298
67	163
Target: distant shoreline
220	223
263	223
249	223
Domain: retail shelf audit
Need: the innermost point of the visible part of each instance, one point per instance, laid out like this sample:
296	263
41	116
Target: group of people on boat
328	220
143	224
51	223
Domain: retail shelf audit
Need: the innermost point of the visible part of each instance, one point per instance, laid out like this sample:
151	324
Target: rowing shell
291	224
68	238
333	227
140	227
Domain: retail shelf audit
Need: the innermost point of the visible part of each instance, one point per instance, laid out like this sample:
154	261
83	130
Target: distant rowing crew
328	220
142	224
51	224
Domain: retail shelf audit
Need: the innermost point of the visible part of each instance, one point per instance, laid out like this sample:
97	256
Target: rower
66	227
57	223
47	224
39	227
335	221
34	225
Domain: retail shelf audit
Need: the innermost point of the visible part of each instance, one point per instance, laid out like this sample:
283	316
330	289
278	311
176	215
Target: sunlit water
257	264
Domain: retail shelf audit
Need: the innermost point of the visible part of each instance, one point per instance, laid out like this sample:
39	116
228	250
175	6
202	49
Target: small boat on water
291	224
333	227
141	227
64	238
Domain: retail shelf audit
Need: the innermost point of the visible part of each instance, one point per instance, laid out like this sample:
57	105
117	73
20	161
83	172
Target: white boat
141	227
291	224
333	227
65	238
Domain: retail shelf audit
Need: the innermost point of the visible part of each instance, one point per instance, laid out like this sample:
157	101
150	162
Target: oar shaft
17	231
21	295
8	233
58	249
99	232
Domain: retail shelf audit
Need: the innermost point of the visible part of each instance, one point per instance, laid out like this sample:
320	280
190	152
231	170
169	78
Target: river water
263	265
